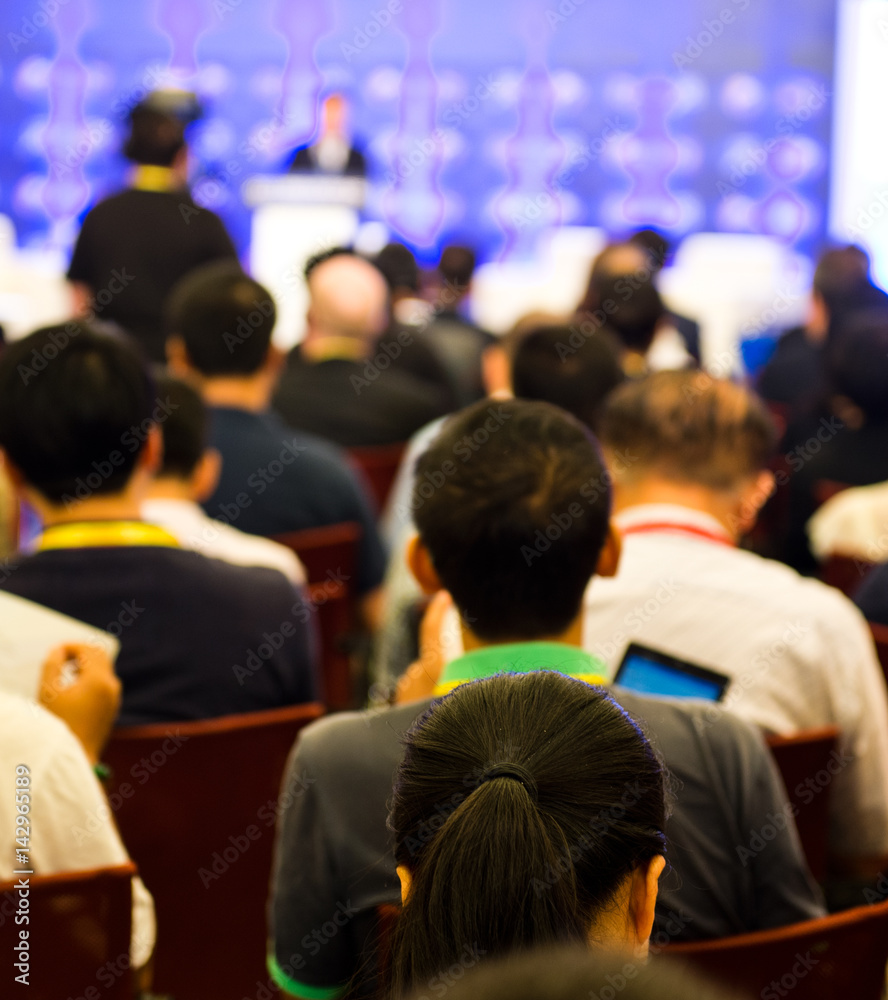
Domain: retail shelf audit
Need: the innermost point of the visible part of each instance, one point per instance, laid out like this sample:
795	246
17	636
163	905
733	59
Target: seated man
188	475
332	385
198	637
59	741
798	652
274	480
334	861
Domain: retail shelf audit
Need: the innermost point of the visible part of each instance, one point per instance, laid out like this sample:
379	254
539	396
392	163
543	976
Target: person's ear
178	361
752	498
609	558
150	457
643	900
205	477
496	371
419	562
406	882
275	361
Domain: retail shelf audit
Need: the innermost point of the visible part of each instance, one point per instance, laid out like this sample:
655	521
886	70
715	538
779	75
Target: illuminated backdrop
481	119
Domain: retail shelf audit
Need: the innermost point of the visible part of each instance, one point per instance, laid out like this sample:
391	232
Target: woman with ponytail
528	810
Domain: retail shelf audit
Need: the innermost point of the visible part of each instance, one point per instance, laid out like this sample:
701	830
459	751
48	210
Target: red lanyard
678	529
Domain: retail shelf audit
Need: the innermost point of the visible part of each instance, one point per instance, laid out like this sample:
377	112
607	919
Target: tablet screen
649	671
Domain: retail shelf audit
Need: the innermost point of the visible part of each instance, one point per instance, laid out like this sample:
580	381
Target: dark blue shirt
198	637
275	480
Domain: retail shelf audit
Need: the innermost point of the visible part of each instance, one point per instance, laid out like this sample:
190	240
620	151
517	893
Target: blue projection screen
485	121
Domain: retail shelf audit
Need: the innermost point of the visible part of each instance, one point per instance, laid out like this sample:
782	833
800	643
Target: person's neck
120	507
251	392
327	347
657	490
571	636
170	488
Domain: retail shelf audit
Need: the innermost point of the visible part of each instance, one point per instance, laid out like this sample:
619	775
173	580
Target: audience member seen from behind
188	475
521	610
545	366
527	765
794	376
411	315
538	363
274	479
457	340
622	295
81	441
134	246
849	445
578	973
60	740
330	386
688	453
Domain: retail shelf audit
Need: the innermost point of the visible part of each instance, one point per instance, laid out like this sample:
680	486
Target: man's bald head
348	297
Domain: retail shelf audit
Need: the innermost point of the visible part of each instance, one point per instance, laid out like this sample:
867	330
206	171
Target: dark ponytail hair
522	803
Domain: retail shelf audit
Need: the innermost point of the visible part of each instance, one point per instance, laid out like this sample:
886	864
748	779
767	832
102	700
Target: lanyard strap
656	527
101	534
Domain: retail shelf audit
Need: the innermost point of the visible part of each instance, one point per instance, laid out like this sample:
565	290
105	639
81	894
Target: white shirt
193	529
71	827
852	523
799	652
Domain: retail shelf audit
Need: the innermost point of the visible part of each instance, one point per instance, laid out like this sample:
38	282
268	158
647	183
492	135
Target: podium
294	217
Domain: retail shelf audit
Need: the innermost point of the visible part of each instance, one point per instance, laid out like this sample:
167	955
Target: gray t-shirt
335	865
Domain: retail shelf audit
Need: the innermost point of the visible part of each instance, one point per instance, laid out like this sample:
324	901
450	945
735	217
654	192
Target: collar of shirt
104	534
671	519
148	177
521	658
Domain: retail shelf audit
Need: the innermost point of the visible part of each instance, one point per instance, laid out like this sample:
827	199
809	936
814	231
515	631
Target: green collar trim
297	989
521	658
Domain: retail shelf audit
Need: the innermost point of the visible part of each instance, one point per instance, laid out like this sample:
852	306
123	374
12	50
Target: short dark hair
637	309
503	781
184	430
457	265
689	427
224	317
398	266
575	972
546	366
75	409
512	501
155	138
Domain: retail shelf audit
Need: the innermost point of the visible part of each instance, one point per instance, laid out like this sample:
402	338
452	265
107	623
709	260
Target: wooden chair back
196	803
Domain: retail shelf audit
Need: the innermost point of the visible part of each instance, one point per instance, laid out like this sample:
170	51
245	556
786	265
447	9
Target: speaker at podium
295	216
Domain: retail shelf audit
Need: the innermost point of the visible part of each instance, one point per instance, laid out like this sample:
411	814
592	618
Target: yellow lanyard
101	534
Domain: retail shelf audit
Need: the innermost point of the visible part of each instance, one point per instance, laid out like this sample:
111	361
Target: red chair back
380	466
842	955
801	759
196	803
844	572
79	934
329	555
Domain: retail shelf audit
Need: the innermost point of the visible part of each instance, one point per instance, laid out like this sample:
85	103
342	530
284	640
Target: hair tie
515	772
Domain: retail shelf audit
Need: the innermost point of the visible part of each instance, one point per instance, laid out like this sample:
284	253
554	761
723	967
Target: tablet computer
650	671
